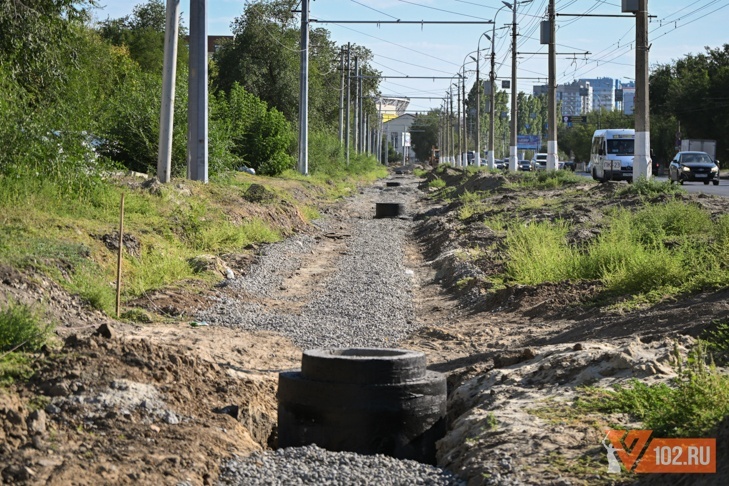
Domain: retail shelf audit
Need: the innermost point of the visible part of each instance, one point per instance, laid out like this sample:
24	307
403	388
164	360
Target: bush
538	252
259	137
22	328
326	154
697	401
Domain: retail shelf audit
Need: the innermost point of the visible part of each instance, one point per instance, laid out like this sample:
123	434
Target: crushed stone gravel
367	302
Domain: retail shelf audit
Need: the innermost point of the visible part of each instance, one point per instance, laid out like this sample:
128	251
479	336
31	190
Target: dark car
693	166
570	165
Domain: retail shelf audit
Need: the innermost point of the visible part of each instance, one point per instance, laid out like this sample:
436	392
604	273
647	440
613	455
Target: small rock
37	423
105	331
52	409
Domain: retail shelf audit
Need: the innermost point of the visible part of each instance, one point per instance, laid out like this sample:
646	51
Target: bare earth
164	402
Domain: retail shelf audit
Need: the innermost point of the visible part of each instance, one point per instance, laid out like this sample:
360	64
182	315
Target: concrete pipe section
389	210
369	401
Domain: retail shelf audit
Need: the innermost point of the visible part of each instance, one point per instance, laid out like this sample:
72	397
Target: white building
603	93
397	132
628	98
576	98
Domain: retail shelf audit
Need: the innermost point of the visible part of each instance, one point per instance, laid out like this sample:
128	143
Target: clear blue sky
680	27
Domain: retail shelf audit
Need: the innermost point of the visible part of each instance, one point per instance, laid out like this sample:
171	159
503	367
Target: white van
611	155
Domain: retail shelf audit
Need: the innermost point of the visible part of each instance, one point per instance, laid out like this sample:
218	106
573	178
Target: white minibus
611	155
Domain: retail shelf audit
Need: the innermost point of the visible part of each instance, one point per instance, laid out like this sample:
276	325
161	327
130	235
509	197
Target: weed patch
697	400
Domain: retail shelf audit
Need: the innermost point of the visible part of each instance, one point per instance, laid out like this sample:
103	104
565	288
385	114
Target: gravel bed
313	465
366	302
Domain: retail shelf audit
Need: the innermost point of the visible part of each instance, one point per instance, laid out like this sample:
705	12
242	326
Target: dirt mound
109	410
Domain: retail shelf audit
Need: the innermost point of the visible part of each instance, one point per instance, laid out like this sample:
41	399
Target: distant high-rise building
603	93
628	98
585	95
540	89
575	97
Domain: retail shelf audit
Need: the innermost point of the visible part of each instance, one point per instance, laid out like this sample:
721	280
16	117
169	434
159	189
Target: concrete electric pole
304	91
552	153
166	118
197	104
642	167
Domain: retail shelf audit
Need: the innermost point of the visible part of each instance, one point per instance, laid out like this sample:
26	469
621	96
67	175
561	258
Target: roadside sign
574	119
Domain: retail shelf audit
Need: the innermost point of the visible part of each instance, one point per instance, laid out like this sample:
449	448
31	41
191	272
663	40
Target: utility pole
381	157
492	79
167	110
304	91
365	134
451	127
341	96
197	105
465	122
349	102
478	111
356	104
460	139
362	124
552	153
492	117
642	167
513	157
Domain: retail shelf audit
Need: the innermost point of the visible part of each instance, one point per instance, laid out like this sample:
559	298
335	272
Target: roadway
698	187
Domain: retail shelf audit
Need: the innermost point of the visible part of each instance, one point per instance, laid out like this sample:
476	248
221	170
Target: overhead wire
394	44
442	10
610	54
374	9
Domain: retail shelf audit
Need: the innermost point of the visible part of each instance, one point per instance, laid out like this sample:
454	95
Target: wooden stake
119	259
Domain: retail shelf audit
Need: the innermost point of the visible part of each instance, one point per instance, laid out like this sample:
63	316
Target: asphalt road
721	190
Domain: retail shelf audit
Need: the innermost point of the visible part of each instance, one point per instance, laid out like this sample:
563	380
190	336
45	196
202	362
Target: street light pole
642	167
513	156
478	99
552	152
460	147
492	79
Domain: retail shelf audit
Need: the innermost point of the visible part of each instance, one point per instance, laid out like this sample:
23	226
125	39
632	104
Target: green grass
716	339
420	172
55	229
436	183
543	180
23	329
658	251
694	403
649	188
538	252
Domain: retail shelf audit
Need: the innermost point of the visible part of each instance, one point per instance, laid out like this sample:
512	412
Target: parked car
693	166
539	162
525	165
570	165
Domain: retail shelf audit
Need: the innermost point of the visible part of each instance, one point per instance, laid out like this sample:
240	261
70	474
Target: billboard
528	142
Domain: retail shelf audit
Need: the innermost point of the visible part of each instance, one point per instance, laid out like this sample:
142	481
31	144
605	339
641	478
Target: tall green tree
37	40
693	92
424	133
143	34
265	59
